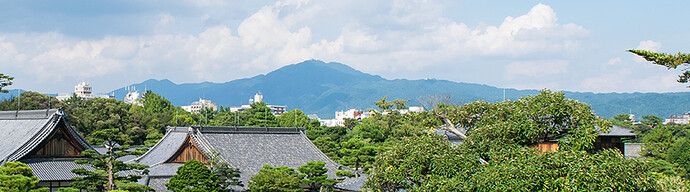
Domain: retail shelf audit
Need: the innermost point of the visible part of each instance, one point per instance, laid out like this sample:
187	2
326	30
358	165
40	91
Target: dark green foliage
315	176
141	125
108	170
415	160
679	153
16	176
357	153
527	121
260	116
31	101
227	176
657	143
5	80
194	177
430	163
293	118
343	173
276	179
68	189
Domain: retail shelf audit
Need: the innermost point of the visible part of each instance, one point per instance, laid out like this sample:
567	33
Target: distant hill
323	88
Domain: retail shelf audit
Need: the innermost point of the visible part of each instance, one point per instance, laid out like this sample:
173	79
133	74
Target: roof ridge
33	141
136	160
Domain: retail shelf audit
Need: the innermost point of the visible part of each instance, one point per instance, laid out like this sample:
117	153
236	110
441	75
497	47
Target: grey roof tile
618	131
54	169
164	149
250	151
245	148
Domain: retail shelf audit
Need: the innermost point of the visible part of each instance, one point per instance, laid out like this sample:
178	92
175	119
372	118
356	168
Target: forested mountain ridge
322	88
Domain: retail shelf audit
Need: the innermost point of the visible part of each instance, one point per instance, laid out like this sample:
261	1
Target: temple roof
245	148
22	131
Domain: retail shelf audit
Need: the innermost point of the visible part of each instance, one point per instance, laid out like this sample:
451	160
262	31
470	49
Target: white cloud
407	36
648	45
614	61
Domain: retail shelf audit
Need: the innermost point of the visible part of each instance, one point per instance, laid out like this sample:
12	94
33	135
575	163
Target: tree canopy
194	176
280	179
5	80
16	176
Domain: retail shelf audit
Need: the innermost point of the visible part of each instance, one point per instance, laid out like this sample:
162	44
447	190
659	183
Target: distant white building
678	119
133	96
83	90
275	109
340	116
196	106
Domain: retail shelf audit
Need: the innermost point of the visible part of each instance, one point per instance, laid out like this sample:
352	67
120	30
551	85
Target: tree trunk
111	185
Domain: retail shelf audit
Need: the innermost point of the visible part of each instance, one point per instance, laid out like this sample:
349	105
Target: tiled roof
352	184
619	132
164	149
245	148
22	131
54	170
158	183
249	152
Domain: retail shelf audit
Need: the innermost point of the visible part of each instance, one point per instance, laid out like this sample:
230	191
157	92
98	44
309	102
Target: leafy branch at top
669	61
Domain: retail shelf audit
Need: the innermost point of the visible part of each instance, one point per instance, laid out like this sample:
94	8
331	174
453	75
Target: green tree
315	176
154	103
68	189
657	143
107	169
679	153
259	115
227	176
16	176
358	153
383	104
669	61
416	160
293	118
5	81
194	177
276	179
527	121
31	101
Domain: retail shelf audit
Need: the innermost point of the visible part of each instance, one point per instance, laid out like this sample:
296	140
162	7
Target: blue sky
50	46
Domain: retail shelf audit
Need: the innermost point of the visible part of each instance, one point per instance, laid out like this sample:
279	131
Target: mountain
322	88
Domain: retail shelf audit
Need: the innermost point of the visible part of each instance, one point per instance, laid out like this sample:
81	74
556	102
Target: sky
50	46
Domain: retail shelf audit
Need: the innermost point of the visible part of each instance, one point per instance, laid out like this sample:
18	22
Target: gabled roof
245	148
22	131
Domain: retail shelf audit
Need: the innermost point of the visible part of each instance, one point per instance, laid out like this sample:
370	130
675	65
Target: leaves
669	61
5	81
194	176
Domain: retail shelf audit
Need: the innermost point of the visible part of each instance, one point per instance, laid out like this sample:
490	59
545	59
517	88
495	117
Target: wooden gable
59	144
546	146
188	151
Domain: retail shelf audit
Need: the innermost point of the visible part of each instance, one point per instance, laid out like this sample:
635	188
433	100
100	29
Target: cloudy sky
50	46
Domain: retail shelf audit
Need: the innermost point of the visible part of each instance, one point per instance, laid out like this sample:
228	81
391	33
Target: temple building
43	140
245	148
